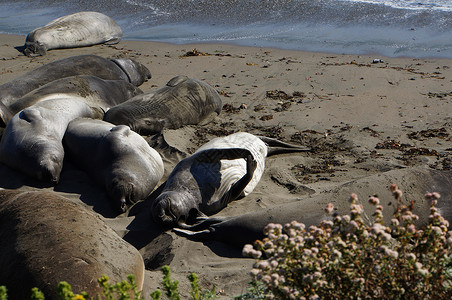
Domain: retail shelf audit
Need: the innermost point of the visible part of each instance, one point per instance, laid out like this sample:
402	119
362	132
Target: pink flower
266	279
285	290
393	187
247	249
329	208
411	256
374	200
386	236
263	264
356	208
436	195
377	228
353	198
298	226
256	254
397	194
328	223
437	230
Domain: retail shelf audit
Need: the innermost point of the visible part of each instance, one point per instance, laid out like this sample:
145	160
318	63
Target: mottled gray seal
183	101
32	140
108	69
414	182
219	172
81	29
47	238
96	92
116	158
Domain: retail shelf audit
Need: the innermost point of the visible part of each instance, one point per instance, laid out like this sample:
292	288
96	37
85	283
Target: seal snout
162	211
122	205
122	195
50	169
34	48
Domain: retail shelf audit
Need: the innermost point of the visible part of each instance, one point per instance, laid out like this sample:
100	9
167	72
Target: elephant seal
81	29
183	101
116	158
32	140
414	182
108	69
47	238
219	172
96	92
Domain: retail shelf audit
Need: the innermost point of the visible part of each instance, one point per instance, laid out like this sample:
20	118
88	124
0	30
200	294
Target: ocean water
421	28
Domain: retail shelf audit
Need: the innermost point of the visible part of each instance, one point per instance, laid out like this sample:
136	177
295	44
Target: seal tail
278	147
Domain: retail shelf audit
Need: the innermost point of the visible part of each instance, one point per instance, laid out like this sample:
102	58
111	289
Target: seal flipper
278	147
199	236
236	189
202	230
113	41
205	222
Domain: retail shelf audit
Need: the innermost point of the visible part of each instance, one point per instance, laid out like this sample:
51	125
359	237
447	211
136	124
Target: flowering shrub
125	290
346	258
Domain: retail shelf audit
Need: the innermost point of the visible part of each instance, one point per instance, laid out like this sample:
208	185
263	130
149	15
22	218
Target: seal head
34	48
135	71
169	210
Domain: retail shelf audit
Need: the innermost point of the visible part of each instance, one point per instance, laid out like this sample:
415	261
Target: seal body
232	170
219	172
77	30
115	69
95	91
32	140
47	238
117	158
415	183
183	101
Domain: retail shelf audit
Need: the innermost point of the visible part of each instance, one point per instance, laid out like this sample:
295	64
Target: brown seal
415	182
47	238
108	69
118	159
95	91
183	101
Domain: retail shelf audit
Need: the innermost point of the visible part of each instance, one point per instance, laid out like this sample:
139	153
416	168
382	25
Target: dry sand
362	119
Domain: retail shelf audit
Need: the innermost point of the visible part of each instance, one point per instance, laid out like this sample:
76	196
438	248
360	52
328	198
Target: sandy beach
367	123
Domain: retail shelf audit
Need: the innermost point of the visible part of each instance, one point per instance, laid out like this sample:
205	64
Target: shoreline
230	43
364	120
